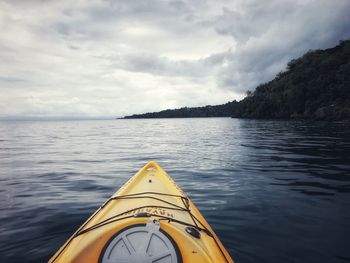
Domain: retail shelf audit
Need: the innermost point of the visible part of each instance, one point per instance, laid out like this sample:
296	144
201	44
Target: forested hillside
315	86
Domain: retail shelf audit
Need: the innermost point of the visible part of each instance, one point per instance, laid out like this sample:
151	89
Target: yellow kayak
149	220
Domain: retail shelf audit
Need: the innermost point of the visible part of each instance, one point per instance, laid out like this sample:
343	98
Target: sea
272	190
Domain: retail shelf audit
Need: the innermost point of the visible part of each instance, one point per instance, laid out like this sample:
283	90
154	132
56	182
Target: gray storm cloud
109	58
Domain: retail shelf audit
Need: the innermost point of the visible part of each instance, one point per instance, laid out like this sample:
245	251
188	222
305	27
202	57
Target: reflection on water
274	191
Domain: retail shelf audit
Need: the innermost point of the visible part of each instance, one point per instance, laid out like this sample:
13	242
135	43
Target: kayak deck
149	202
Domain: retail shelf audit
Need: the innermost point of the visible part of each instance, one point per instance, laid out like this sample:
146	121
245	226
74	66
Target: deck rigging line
197	224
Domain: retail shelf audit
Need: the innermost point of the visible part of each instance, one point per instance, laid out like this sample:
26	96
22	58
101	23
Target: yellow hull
149	196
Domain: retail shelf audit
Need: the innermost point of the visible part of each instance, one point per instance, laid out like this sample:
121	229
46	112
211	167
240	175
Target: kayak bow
150	219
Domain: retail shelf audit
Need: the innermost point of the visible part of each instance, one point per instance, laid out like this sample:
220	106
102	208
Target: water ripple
274	191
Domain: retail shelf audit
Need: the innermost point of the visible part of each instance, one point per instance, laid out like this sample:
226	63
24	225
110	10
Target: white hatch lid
141	244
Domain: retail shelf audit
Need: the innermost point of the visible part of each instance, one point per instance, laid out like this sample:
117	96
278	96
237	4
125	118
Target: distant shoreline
315	86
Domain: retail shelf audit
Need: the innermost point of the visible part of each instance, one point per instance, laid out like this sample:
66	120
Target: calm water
274	191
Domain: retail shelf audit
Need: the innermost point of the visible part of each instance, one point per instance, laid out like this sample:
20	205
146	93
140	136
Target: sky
93	59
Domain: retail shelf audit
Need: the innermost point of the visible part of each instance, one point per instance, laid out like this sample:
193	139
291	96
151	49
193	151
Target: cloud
110	58
10	80
271	33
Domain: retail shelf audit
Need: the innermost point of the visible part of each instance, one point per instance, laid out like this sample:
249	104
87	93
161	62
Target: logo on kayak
150	210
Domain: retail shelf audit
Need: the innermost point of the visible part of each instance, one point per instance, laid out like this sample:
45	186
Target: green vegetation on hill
315	86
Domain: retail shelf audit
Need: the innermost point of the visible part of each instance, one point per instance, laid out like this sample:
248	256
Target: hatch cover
141	244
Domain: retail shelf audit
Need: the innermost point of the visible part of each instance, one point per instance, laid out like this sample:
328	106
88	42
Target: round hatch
141	244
